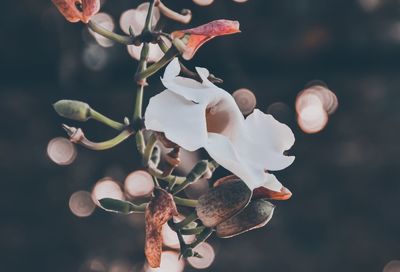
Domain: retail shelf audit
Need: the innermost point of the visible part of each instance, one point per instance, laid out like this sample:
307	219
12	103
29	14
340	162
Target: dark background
343	215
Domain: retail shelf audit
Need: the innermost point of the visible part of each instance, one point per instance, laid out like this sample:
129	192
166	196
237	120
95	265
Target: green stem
149	17
77	136
144	54
159	174
112	142
189	219
163	46
195	174
149	150
105	120
193	231
168	56
137	115
192	203
201	237
120	206
110	35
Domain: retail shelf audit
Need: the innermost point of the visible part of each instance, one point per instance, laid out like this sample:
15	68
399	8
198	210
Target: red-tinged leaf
262	192
199	35
90	8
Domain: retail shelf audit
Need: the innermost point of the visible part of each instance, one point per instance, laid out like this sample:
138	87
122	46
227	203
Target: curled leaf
195	37
159	210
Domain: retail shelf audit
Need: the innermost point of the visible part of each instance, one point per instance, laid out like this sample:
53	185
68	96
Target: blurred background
343	215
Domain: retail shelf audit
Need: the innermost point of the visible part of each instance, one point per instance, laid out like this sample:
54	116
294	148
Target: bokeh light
312	117
170	239
208	255
135	18
313	105
106	21
369	5
95	57
94	265
61	151
155	53
170	262
139	184
106	188
120	266
203	2
392	266
240	1
245	99
81	204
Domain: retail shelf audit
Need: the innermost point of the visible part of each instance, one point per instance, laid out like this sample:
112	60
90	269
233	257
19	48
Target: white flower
200	115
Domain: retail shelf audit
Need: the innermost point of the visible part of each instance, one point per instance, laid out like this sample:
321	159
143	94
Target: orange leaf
262	192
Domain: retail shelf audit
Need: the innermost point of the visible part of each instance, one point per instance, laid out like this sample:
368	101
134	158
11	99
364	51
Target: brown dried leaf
159	210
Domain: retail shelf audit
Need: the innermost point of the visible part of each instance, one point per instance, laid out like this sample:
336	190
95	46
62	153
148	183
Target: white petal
191	89
204	73
155	53
223	151
172	70
182	121
264	141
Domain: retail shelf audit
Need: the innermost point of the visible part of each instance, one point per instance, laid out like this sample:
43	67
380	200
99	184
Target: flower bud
72	109
198	171
256	215
156	155
222	202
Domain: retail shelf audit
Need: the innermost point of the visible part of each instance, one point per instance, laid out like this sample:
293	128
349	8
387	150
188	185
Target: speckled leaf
256	215
222	202
159	210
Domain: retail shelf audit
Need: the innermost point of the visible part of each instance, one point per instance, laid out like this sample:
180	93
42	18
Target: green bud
198	171
256	215
156	155
222	202
72	109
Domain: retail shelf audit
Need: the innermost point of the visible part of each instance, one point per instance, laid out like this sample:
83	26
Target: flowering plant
191	113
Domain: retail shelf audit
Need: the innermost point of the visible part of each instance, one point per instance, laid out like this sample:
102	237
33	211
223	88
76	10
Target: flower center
217	120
